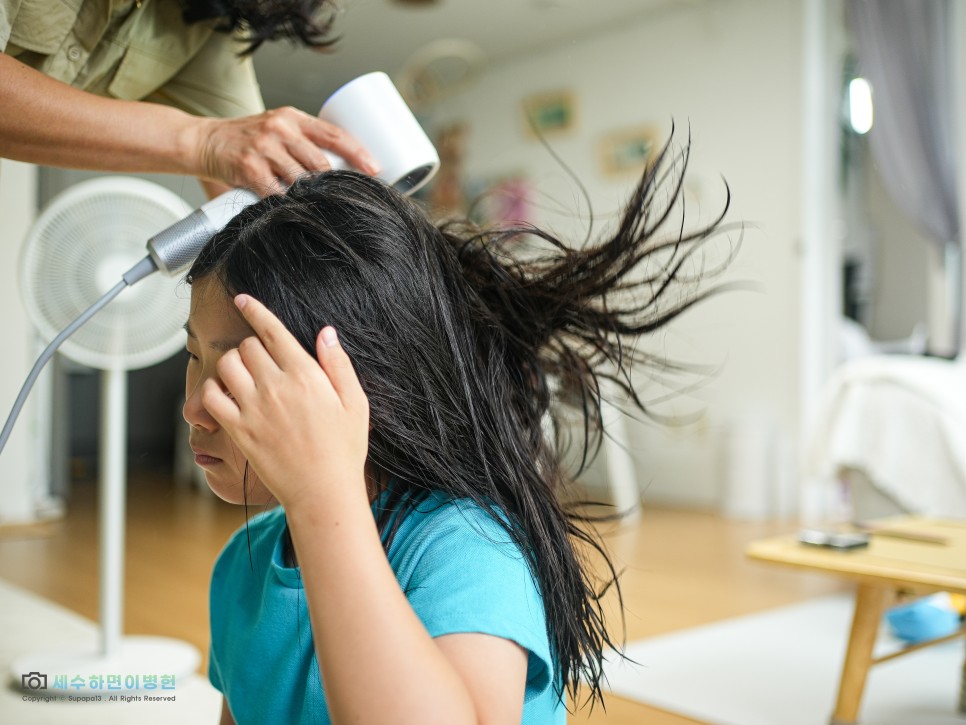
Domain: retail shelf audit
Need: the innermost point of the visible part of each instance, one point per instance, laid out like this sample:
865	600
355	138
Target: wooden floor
682	569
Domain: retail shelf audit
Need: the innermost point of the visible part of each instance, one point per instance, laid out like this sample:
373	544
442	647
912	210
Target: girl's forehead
207	294
213	313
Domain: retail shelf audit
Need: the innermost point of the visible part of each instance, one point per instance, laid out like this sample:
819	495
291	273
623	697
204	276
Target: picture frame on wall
549	113
628	151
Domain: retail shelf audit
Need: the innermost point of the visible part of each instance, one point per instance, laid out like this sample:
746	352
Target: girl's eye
191	355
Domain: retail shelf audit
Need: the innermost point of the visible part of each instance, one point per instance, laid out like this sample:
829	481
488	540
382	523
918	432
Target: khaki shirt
133	51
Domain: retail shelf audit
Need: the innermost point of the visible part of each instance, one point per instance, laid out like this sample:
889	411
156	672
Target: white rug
29	623
782	667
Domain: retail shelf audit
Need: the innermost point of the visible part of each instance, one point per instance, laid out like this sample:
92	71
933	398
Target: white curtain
905	50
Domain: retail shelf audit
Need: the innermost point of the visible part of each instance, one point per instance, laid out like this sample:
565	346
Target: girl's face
214	327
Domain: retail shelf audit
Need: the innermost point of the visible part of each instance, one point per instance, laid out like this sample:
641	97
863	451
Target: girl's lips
205	460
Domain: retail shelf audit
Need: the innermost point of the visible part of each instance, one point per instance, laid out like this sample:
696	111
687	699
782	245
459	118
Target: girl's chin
231	491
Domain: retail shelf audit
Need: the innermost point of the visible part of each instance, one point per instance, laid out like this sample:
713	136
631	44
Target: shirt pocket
42	26
140	74
159	45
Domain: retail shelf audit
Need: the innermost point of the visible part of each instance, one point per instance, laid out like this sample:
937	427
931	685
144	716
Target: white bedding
901	420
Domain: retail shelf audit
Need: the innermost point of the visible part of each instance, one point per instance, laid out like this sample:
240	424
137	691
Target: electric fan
439	69
76	252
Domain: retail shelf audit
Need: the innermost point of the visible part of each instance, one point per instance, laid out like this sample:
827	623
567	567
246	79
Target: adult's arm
45	121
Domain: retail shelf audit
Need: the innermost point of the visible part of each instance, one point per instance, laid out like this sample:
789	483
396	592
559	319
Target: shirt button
73	52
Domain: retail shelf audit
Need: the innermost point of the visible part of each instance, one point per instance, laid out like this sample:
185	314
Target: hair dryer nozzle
174	249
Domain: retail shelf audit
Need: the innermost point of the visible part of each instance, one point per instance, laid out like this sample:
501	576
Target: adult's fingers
340	142
287	170
307	154
270	168
255	173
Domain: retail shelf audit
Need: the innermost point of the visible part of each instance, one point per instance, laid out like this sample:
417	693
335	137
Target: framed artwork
547	114
503	201
628	151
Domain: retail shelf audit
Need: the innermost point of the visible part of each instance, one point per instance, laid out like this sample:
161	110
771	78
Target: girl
386	381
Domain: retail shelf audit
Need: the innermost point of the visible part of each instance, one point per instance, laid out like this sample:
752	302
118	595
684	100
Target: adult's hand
276	146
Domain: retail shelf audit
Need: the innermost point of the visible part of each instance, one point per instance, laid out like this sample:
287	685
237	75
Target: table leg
869	603
962	691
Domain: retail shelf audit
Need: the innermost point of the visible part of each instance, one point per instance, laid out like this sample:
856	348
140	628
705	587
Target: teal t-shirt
459	570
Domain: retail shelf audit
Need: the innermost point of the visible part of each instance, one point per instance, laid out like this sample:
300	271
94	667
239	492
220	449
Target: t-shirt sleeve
470	577
214	676
220	600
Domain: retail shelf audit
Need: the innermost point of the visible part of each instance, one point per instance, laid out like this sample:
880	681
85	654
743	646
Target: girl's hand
301	423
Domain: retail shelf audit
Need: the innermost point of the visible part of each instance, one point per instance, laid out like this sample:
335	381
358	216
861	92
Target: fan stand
126	657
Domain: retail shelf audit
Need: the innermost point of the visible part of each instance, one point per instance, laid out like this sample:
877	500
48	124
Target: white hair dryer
371	109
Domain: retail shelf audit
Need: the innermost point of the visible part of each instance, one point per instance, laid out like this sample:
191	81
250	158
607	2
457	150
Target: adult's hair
305	22
459	339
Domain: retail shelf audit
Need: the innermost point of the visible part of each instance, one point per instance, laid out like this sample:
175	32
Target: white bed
892	428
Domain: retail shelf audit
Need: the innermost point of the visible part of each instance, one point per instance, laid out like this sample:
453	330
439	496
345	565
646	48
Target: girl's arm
493	669
304	430
378	662
226	718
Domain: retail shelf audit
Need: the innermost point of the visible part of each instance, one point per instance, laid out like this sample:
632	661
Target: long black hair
305	22
462	337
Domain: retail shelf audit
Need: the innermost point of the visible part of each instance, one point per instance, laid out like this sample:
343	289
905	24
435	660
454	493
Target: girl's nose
196	415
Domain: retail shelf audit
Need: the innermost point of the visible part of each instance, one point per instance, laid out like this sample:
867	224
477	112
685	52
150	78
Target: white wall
732	71
18	471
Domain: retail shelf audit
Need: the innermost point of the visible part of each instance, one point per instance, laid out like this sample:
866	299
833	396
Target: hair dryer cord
49	353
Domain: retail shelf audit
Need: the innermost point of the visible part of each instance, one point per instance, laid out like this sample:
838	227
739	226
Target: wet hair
305	22
463	337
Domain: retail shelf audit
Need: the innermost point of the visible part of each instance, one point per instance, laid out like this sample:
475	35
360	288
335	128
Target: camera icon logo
33	681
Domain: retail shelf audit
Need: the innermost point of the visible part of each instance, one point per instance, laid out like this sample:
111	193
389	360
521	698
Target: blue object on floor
921	621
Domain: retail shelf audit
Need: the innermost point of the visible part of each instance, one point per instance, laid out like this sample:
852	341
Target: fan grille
79	248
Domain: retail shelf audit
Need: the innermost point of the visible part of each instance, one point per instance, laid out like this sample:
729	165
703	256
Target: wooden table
888	564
